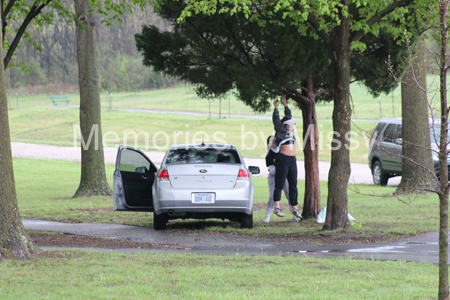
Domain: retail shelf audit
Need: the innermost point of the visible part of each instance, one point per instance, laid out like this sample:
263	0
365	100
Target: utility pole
379	101
229	100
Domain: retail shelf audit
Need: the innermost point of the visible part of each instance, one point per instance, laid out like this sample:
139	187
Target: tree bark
416	132
443	292
13	238
93	178
339	52
311	200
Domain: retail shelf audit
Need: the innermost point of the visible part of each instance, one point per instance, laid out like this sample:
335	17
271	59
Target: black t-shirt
270	157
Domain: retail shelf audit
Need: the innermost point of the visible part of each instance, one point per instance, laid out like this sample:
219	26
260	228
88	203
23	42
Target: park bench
56	99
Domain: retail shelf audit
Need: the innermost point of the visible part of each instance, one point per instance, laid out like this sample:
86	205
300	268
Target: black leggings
286	168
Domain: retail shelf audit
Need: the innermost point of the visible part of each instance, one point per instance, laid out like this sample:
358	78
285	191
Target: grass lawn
180	98
45	188
111	275
159	131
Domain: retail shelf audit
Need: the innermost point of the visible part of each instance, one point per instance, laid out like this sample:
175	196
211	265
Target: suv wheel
247	221
378	175
159	221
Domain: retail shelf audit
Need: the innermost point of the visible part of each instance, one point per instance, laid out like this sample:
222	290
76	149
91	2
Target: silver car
197	181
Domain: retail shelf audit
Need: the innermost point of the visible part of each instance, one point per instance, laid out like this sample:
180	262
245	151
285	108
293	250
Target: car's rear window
198	156
435	134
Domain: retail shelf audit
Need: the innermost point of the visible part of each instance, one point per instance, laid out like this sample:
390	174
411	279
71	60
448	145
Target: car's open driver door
133	180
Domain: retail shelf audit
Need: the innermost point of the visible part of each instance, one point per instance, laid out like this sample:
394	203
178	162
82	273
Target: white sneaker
266	219
278	212
296	214
295	219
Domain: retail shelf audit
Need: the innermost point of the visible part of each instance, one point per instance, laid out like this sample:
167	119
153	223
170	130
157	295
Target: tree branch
397	195
7	9
296	95
5	13
378	16
34	11
312	19
323	91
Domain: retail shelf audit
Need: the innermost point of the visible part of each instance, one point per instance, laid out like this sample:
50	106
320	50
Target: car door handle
144	177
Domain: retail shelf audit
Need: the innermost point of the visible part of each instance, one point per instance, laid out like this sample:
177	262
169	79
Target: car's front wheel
247	221
378	175
160	221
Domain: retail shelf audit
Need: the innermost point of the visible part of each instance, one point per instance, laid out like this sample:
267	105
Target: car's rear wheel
247	221
378	175
160	221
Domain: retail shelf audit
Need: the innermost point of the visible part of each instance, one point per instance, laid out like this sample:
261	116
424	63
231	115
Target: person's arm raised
287	111
276	116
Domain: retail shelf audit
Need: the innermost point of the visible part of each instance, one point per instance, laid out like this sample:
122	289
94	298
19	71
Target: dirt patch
70	241
342	237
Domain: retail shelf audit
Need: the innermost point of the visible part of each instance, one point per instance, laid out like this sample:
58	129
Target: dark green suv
385	149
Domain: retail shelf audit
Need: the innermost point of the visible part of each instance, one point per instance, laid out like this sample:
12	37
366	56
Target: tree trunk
93	178
416	135
337	201
13	238
311	200
443	292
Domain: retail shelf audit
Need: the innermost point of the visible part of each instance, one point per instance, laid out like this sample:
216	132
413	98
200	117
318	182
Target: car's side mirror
254	170
141	170
399	141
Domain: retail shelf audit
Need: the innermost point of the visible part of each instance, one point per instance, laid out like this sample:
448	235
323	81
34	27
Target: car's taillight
243	175
163	175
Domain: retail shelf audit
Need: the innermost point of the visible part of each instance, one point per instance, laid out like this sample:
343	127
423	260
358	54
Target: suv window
399	132
376	132
389	133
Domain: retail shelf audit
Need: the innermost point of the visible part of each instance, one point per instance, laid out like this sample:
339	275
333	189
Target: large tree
222	52
13	237
93	177
417	160
227	53
340	24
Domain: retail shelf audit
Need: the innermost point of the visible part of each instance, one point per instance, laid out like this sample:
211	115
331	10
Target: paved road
360	172
193	113
418	248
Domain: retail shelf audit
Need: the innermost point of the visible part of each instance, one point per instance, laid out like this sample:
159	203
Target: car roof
391	120
203	146
436	121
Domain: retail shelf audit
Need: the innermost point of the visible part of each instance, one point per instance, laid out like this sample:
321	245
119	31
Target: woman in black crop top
285	162
272	152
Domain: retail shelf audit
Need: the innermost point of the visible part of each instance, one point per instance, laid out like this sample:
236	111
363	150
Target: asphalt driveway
418	248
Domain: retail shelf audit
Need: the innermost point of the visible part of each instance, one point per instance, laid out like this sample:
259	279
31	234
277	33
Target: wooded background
52	66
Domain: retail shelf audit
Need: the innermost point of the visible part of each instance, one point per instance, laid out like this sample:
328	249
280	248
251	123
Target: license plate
203	198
